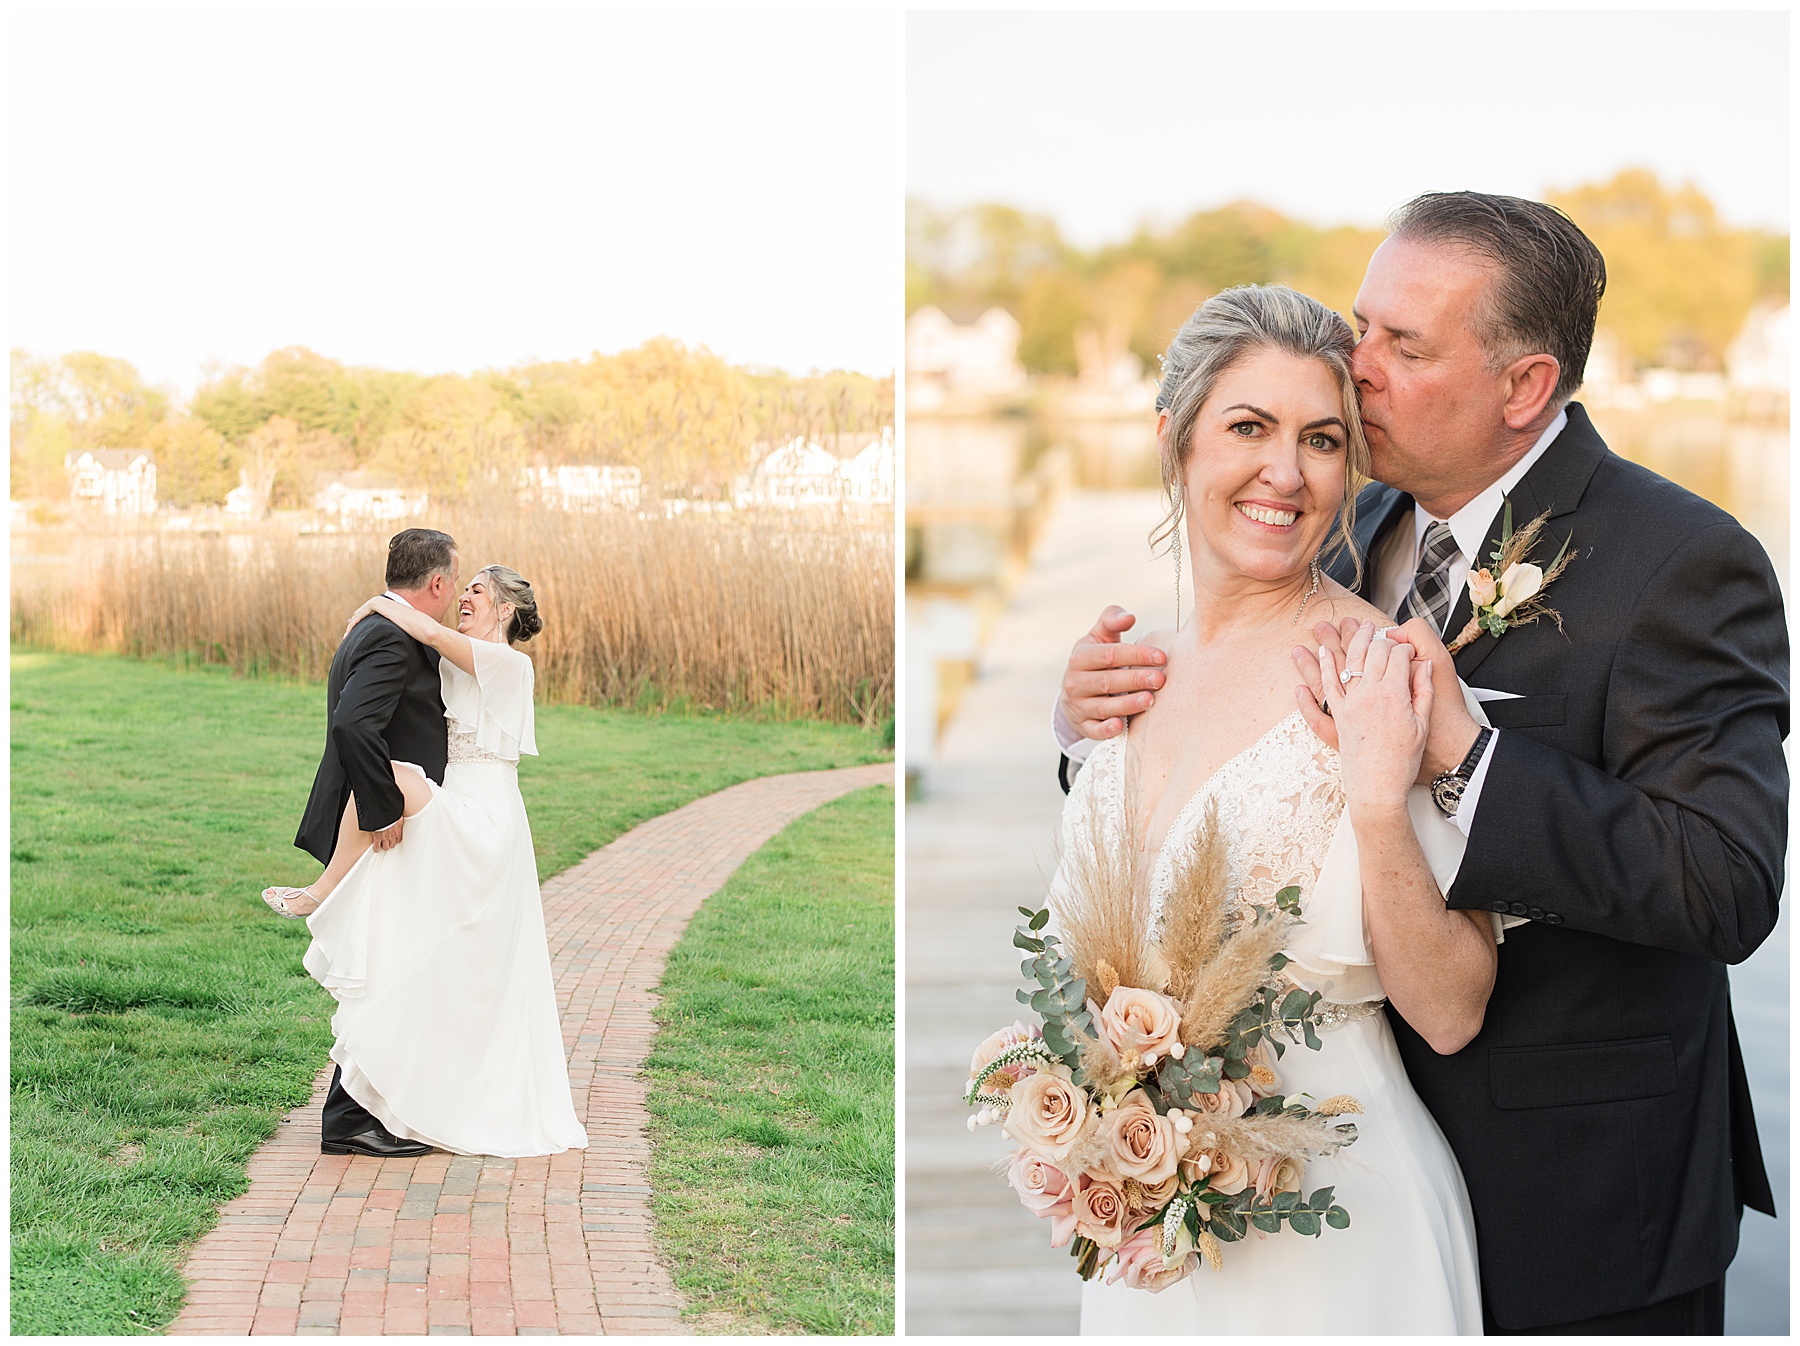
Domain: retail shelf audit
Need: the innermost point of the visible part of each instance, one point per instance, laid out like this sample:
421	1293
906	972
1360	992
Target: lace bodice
463	748
1279	801
1279	805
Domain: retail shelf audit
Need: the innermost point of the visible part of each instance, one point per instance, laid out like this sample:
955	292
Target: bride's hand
1382	715
1311	693
361	612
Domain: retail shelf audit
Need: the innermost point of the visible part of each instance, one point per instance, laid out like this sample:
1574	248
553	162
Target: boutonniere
1516	598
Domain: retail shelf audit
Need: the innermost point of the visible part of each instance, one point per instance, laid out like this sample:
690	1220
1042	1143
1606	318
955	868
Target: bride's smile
1265	477
477	615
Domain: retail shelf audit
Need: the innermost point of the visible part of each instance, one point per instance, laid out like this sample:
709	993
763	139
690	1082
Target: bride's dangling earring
1309	593
1176	538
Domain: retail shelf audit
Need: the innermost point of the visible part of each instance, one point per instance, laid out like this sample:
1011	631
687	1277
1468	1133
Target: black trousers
1698	1313
342	1116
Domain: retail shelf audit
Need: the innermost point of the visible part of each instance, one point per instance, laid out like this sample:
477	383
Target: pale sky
441	192
1105	119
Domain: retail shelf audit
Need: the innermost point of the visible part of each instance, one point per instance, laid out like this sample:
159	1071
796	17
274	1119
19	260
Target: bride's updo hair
1227	328
506	585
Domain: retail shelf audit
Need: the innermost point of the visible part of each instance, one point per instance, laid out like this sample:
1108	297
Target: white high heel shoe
291	902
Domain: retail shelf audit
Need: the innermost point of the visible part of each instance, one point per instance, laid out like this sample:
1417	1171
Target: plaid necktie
1430	596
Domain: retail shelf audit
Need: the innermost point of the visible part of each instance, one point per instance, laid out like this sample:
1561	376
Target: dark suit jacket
1635	809
384	703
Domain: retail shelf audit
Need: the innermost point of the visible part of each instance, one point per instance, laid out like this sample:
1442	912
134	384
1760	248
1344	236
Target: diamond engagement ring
1349	673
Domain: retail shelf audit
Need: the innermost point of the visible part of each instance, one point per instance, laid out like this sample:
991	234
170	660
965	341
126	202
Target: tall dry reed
790	615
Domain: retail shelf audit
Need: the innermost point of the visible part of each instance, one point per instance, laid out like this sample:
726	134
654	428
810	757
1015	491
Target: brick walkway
325	1245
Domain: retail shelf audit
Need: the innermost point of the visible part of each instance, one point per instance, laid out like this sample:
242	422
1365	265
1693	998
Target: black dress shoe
376	1144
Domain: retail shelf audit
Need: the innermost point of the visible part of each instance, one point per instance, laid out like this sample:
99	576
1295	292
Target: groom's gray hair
1548	282
415	555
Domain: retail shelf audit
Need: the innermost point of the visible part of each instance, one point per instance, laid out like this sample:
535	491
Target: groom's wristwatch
1447	789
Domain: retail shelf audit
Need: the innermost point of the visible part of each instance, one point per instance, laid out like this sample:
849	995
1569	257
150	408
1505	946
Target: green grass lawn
772	1085
161	1022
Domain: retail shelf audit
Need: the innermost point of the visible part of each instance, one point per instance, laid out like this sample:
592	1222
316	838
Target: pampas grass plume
1276	1136
1194	917
1103	917
1226	984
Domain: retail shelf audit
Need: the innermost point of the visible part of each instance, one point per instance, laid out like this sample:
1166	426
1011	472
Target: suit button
1500	907
1552	919
1536	913
1518	909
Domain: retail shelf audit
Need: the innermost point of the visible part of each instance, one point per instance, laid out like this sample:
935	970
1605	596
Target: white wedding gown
1406	1264
447	1027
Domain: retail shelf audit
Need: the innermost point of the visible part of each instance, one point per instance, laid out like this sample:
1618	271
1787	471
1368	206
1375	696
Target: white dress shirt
1395	566
1398	564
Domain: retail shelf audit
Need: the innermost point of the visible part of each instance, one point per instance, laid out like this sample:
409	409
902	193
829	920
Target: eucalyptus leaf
1338	1218
1304	1222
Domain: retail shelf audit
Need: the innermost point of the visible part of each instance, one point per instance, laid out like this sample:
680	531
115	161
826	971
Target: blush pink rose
1140	1143
1278	1175
1140	1263
1482	588
1233	1100
1227	1172
1047	1192
1140	1026
1101	1211
1158	1194
1047	1114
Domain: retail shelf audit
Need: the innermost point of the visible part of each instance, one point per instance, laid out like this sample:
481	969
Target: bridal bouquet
1145	1103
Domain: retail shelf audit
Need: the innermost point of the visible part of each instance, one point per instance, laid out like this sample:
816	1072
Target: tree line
1680	280
682	415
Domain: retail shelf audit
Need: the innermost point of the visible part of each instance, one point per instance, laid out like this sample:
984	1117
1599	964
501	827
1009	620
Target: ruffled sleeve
1330	952
495	704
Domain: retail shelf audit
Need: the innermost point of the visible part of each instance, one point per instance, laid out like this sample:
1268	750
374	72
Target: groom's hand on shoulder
1106	680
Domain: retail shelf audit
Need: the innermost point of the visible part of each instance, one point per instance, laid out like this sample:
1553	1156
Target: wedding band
1349	673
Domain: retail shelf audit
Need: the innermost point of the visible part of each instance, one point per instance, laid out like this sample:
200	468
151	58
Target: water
1756	1288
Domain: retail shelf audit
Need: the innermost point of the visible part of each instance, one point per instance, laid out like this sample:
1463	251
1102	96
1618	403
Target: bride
447	1027
1262	452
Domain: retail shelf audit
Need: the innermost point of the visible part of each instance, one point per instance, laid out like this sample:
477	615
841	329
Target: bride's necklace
1307	597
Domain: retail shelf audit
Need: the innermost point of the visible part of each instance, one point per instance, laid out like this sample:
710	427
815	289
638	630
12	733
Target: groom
1631	802
383	704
